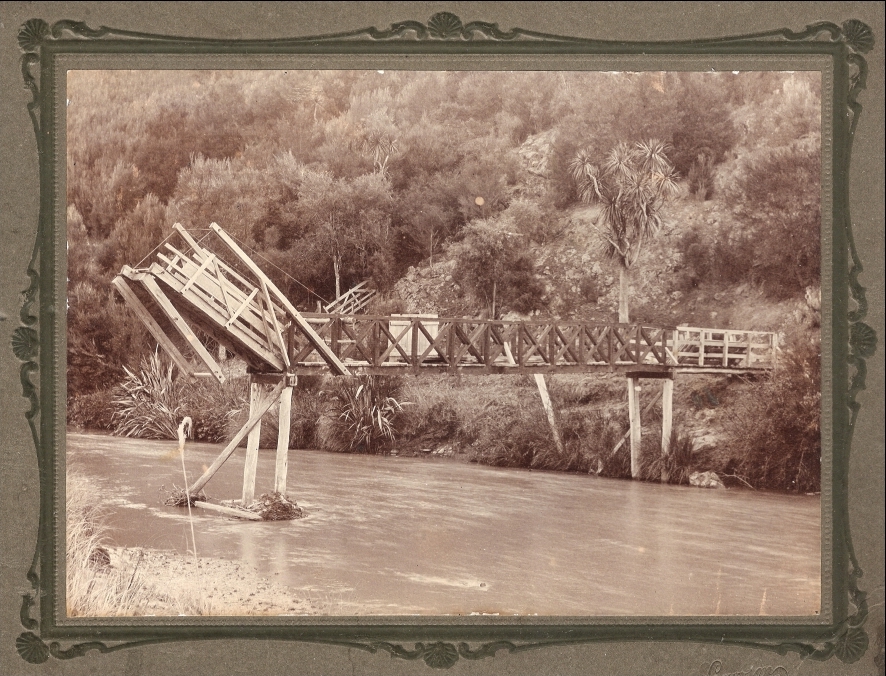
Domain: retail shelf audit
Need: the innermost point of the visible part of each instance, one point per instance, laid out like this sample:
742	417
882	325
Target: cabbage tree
632	185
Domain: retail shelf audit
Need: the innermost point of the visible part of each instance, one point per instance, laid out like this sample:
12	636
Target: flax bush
673	468
149	404
362	414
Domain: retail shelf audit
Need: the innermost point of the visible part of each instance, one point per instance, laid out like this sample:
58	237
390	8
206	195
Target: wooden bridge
190	299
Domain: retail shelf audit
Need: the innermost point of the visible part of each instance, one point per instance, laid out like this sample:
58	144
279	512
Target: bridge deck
191	292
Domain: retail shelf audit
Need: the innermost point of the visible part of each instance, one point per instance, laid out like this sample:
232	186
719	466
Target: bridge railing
724	348
457	342
237	305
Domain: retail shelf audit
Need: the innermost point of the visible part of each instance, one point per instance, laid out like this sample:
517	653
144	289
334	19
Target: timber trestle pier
191	299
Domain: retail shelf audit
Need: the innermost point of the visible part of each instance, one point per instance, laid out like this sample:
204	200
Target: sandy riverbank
209	586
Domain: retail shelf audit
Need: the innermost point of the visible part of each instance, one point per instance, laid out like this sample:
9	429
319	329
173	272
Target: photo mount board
37	343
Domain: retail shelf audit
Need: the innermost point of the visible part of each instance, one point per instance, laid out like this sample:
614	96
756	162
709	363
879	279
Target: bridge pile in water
188	294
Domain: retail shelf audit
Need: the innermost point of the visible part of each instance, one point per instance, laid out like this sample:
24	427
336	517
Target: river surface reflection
395	536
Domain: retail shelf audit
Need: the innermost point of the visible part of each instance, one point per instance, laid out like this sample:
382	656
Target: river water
394	536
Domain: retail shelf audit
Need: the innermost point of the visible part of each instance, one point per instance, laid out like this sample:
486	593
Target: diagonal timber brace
254	419
134	304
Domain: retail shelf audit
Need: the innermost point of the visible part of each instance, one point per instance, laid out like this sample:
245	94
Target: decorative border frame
445	33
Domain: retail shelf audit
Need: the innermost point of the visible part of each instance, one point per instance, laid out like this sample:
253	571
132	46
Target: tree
778	200
632	186
348	220
492	262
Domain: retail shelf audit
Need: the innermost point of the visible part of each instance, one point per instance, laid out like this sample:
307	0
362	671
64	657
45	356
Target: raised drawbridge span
195	293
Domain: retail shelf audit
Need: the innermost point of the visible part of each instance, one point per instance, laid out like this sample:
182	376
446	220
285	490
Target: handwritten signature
716	669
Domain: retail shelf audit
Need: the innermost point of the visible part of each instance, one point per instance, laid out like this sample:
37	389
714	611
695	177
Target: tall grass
93	586
673	468
590	437
512	436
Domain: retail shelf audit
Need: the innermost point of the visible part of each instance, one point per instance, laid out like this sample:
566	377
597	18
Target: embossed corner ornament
847	640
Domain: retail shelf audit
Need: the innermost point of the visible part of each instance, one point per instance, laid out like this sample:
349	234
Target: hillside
507	194
579	282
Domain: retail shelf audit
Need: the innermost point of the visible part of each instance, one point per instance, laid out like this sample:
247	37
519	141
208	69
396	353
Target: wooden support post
254	418
636	436
283	441
549	409
252	441
667	420
545	400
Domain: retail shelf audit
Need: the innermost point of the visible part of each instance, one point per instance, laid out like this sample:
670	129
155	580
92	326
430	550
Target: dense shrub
779	200
495	265
701	177
716	256
513	436
92	411
775	430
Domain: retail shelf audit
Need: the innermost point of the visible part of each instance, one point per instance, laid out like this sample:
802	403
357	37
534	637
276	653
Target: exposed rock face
705	480
431	290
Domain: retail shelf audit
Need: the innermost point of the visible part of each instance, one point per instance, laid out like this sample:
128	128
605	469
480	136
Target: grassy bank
107	581
759	432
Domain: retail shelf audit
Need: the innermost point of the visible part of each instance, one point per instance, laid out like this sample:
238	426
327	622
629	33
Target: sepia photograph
444	343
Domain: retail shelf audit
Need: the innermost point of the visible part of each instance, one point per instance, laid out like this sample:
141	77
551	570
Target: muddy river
396	536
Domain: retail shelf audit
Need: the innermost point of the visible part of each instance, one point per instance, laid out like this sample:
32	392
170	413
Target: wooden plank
268	333
214	289
413	348
466	342
200	253
282	461
276	324
222	284
178	227
214	313
182	326
240	309
228	511
199	272
228	451
252	443
319	344
210	292
394	342
134	304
